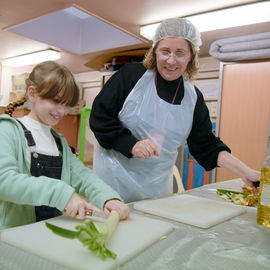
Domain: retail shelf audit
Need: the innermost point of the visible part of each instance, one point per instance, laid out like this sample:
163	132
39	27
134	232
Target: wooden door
244	113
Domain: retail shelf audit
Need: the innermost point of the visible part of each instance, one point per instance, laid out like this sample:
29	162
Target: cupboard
244	110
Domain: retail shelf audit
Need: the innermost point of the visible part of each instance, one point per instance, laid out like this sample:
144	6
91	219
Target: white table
235	244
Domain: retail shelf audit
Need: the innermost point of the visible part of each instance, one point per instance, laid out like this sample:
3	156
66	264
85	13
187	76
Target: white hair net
180	28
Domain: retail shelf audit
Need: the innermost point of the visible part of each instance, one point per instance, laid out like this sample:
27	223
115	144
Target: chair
190	176
179	183
178	180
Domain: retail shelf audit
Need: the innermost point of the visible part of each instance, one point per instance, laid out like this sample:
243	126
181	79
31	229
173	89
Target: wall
90	83
207	80
5	84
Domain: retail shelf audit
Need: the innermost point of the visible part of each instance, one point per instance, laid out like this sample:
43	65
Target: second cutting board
192	210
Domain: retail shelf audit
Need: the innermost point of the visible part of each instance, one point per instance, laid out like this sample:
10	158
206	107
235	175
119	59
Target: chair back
178	180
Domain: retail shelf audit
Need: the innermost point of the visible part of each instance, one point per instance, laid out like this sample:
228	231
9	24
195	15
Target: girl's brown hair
50	80
192	67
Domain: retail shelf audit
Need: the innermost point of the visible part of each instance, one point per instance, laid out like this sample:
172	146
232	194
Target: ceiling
124	15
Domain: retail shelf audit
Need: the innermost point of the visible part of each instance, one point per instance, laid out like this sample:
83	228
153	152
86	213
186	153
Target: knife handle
256	184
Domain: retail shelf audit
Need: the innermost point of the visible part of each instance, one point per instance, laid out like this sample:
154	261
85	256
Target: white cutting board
192	210
130	238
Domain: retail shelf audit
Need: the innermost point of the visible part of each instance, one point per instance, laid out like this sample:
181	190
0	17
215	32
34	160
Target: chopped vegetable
247	189
95	238
246	198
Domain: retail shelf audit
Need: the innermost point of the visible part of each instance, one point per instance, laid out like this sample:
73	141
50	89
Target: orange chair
190	177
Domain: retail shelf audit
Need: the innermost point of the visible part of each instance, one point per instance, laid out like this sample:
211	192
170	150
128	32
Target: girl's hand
79	207
119	207
144	149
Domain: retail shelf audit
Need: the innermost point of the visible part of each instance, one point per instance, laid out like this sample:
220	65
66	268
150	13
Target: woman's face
47	111
172	57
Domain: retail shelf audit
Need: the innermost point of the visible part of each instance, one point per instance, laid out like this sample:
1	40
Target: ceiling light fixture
221	19
32	58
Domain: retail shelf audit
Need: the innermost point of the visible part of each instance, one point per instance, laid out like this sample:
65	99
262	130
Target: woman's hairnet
180	28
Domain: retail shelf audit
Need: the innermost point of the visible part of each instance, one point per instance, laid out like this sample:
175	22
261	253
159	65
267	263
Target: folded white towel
256	46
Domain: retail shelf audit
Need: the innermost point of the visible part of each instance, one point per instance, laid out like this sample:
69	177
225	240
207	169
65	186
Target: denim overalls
44	165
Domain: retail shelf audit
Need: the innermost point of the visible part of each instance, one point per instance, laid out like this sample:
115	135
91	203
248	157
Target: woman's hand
79	207
122	209
250	176
144	149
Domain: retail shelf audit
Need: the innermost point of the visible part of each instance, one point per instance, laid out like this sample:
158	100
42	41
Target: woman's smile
173	56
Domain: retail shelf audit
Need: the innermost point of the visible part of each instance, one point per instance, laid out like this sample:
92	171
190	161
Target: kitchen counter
238	243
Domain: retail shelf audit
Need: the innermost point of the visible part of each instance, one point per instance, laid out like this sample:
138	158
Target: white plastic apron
147	116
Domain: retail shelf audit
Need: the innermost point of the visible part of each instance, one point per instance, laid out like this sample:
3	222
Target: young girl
39	176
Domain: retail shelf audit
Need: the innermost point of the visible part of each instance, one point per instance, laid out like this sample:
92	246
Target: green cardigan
20	192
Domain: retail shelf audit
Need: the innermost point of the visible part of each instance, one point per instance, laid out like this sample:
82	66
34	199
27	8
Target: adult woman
145	112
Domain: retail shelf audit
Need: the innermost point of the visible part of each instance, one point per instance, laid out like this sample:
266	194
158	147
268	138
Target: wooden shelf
98	62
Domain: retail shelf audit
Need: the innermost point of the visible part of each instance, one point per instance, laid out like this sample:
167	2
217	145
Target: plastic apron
147	116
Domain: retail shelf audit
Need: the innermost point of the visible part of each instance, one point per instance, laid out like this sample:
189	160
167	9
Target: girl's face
172	57
46	111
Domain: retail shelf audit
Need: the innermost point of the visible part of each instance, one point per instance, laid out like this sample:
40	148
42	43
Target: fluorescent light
221	19
148	31
32	58
232	17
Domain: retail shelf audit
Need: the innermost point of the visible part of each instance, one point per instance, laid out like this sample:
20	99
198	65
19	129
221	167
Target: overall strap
28	135
31	141
58	143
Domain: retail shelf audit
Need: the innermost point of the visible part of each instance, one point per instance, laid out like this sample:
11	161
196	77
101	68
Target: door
244	113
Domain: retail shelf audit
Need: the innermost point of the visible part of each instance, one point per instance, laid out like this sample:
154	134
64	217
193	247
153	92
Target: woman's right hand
79	207
144	149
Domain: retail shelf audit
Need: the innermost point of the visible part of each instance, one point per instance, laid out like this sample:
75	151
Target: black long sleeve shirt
112	134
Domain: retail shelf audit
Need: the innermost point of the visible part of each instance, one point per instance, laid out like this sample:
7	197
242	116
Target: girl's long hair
50	80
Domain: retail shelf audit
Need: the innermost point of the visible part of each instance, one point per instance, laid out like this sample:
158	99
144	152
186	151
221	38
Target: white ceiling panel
75	31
